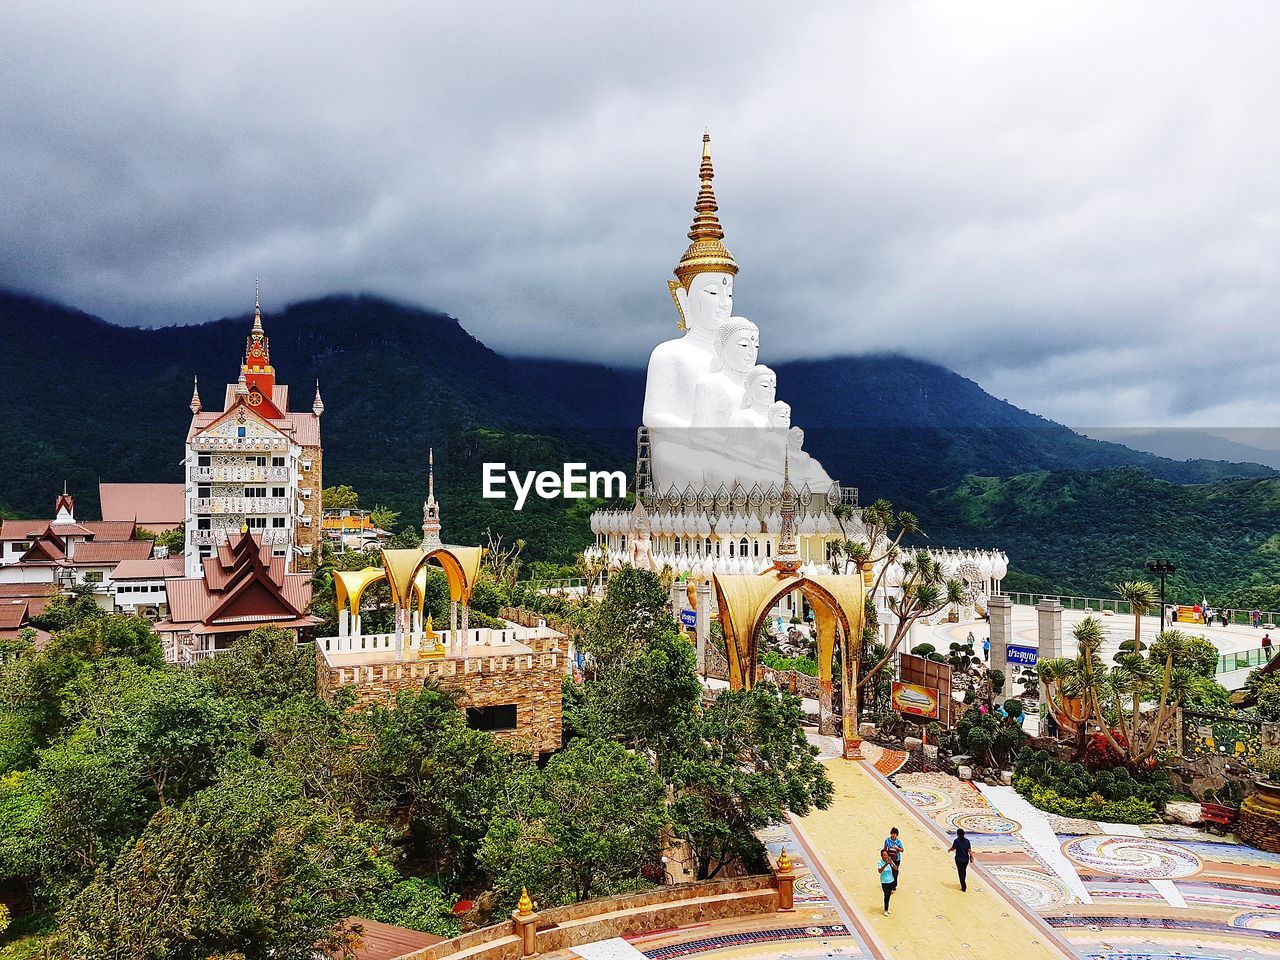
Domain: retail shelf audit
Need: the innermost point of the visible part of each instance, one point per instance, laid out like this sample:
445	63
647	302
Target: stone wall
532	682
312	480
661	908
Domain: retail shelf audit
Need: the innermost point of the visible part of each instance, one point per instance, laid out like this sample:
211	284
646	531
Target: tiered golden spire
707	253
525	906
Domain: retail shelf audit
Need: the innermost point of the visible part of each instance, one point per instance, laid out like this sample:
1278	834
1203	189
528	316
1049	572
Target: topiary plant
1268	764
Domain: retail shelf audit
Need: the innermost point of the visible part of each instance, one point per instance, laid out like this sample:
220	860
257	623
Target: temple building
243	585
51	556
508	678
254	464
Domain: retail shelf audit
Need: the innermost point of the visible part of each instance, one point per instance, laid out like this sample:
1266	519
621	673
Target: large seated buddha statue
711	412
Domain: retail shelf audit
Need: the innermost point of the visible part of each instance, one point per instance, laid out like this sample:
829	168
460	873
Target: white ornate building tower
254	465
431	509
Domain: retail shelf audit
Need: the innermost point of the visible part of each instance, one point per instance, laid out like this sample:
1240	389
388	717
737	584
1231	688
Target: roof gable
240	414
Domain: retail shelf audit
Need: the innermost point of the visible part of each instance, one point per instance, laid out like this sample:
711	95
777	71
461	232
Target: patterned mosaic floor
1157	893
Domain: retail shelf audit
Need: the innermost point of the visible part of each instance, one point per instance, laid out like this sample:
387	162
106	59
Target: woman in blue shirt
888	870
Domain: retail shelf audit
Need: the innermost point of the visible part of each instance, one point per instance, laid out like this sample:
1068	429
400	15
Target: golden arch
745	601
406	574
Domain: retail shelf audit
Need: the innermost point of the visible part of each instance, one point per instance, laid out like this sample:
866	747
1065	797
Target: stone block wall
312	480
532	682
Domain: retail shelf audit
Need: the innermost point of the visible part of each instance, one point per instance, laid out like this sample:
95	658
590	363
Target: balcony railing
204	538
239	444
241	505
240	474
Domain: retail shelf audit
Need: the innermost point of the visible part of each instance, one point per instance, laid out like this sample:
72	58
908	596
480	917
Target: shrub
1072	782
1268	764
1092	806
1013	707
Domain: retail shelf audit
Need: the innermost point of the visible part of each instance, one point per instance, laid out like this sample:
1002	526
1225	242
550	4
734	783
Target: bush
1092	806
1013	707
1268	764
418	905
1072	783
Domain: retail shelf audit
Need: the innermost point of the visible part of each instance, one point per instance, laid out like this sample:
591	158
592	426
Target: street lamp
1161	567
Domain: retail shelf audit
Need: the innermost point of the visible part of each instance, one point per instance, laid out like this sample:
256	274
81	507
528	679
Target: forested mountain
84	400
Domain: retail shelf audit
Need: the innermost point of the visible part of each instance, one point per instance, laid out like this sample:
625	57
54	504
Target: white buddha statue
805	470
703	292
719	394
760	394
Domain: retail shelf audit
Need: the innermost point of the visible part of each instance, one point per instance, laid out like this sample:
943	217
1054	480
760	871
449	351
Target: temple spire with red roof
256	369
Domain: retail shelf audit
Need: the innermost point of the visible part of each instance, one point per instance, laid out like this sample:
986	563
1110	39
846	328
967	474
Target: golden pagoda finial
525	906
784	861
707	253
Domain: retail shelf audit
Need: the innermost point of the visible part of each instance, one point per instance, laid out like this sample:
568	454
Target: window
255	491
204	523
278	552
204	460
204	492
240	432
21	547
306	494
277	491
277	461
768	548
259	461
277	522
731	548
256	523
502	717
755	548
677	550
306	464
206	552
742	547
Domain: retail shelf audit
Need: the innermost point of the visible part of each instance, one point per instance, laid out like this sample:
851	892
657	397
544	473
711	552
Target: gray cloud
1076	205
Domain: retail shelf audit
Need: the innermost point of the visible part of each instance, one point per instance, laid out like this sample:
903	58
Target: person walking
963	850
894	845
1256	617
1266	645
888	871
986	648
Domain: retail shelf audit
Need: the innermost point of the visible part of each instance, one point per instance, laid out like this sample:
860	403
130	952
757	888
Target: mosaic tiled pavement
1157	892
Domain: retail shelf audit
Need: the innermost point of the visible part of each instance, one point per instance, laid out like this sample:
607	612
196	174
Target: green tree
263	668
341	497
383	518
417	904
247	865
743	765
425	767
925	590
631	615
1141	596
585	826
174	540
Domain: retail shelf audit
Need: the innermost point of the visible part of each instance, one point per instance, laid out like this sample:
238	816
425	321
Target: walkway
930	916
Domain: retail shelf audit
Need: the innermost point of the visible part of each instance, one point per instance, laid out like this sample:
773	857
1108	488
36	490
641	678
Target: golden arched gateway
837	601
405	572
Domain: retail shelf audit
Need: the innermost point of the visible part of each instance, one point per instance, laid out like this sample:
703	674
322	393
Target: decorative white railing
240	505
203	538
239	444
240	474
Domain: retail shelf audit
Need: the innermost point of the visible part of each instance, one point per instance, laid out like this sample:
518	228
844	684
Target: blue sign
689	618
1025	656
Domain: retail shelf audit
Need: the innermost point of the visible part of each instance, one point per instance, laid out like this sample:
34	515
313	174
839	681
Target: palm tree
1141	597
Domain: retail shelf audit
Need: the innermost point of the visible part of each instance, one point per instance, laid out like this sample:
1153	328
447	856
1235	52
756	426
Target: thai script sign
1023	656
689	618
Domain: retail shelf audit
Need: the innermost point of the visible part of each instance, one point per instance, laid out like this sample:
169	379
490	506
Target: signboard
932	676
689	618
914	700
1023	656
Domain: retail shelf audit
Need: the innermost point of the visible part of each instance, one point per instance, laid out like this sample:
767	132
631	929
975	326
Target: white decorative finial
257	306
317	406
196	406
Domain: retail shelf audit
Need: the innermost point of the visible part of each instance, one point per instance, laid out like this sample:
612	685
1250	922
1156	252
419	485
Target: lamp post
1162	567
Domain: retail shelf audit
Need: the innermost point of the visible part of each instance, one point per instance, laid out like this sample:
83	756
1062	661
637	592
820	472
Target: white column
344	622
702	630
1001	611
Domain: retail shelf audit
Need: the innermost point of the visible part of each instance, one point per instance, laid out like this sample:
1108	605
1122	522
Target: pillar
453	625
1049	622
525	922
702	631
344	622
784	878
1001	611
678	602
1049	630
466	625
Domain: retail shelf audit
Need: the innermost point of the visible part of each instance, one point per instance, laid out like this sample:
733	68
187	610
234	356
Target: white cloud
1074	204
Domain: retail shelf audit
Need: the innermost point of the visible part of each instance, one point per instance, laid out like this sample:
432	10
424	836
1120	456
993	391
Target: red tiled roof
114	530
13	614
22	529
241	586
111	551
25	590
382	941
148	569
302	428
156	506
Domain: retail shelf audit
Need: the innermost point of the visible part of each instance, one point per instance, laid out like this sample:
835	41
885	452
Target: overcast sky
1077	205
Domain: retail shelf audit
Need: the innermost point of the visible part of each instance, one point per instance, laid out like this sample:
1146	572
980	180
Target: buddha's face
764	390
795	438
780	415
741	346
708	301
